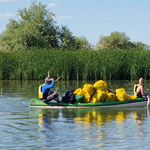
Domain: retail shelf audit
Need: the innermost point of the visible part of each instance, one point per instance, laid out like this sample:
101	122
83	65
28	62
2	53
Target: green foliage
66	38
36	27
115	40
140	45
82	43
75	65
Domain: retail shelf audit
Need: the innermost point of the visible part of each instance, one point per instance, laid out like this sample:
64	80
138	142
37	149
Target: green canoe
139	102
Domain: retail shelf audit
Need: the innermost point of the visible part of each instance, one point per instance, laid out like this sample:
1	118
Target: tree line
37	28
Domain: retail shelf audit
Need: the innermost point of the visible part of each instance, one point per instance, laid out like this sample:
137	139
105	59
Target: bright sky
91	18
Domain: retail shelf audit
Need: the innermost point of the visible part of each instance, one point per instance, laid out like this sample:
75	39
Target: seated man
140	90
45	89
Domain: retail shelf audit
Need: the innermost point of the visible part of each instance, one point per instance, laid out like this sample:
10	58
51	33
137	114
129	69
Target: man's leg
56	99
51	97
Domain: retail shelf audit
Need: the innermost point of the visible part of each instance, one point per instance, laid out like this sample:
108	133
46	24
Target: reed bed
108	64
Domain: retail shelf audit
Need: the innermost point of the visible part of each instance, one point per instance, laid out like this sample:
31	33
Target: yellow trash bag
131	97
101	85
135	93
121	94
89	89
86	98
111	97
79	91
99	96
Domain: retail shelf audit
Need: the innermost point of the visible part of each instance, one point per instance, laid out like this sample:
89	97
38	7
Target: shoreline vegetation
34	44
105	64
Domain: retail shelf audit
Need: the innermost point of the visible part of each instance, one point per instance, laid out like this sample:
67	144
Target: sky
91	18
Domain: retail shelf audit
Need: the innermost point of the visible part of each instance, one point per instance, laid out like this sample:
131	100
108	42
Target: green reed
75	64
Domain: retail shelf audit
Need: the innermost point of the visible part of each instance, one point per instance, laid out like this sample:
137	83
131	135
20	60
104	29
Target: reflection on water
94	125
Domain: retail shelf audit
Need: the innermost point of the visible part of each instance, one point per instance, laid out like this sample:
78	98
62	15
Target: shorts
145	97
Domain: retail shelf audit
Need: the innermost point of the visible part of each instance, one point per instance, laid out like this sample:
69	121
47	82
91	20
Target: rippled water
22	127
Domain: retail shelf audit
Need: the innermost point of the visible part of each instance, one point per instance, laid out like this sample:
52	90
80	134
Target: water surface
89	128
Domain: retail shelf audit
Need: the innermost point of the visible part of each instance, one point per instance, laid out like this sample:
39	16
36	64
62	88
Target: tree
82	43
66	38
140	45
115	40
36	27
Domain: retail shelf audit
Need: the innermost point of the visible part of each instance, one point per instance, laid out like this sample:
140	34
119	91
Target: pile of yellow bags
110	96
99	93
122	95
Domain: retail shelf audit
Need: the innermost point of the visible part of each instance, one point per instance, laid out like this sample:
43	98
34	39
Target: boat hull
128	103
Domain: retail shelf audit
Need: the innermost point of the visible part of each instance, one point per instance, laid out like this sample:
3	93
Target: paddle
57	79
49	76
61	88
111	90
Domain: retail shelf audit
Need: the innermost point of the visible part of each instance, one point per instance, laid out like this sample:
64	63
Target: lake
24	128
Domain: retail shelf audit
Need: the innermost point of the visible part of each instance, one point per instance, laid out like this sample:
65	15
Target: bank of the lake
110	64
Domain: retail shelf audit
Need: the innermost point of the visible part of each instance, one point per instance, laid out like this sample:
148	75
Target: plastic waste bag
121	94
79	91
79	98
101	85
86	98
131	97
89	89
99	96
111	97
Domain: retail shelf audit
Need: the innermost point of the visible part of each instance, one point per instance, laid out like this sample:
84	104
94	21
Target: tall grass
75	65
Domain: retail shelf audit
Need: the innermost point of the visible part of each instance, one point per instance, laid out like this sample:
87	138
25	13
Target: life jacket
41	94
135	87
